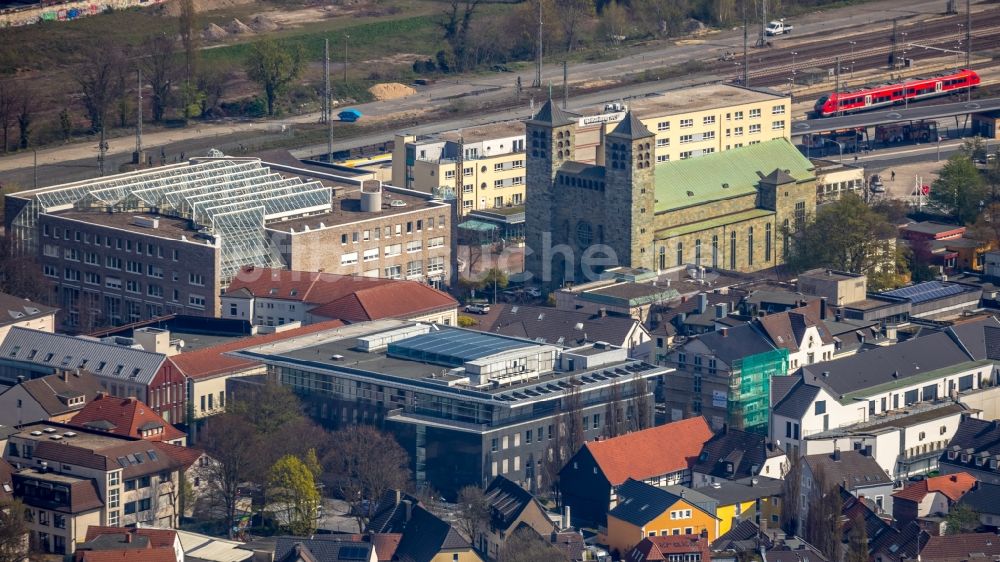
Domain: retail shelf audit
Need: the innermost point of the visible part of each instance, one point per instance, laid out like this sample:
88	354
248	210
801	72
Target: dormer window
952	455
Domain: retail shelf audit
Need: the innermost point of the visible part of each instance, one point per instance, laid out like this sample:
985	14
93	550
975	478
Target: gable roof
743	536
961	547
385	545
58	351
745	451
125	416
554	326
852	470
639	503
426	535
659	548
389	515
506	501
780	387
980	438
108	536
796	401
787	329
300	286
730	492
184	456
984	498
973	334
52	392
738	342
14	310
651	452
211	361
953	486
726	174
399	299
322	548
129	555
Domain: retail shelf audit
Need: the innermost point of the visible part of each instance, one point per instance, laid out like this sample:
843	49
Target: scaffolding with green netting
750	389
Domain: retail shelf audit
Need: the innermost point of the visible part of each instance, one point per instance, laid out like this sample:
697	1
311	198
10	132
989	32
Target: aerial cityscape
499	280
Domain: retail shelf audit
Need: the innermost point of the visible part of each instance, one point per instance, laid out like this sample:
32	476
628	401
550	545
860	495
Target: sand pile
236	27
263	23
391	91
173	9
214	33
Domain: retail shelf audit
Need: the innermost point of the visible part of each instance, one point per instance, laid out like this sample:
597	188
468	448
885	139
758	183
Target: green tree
961	519
295	495
456	24
274	68
268	408
960	189
857	542
13	531
974	149
311	461
494	279
849	236
614	25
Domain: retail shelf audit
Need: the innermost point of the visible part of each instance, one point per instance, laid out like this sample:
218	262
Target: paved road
55	167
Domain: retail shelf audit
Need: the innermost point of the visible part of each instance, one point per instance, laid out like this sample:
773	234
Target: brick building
130	247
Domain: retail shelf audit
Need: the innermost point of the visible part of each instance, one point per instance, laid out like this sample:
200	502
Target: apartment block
482	166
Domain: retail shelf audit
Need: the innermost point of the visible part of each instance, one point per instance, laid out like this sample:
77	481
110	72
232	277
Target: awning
477	225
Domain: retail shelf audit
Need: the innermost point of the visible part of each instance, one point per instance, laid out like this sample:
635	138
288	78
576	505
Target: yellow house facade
647	511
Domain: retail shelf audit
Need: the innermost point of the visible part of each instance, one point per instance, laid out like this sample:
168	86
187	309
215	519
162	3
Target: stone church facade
728	210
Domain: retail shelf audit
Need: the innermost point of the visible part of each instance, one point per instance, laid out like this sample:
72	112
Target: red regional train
883	96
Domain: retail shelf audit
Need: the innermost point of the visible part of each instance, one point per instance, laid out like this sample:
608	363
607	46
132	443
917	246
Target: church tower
550	141
630	196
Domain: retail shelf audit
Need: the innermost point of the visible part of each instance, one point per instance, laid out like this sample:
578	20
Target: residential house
274	297
510	506
324	548
648	511
732	454
617	294
946	245
743	538
904	442
207	369
931	496
692	548
858	388
58	508
837	287
424	536
588	482
885	542
134	479
122	370
125	544
566	328
128	417
962	547
757	499
15	311
857	474
975	449
802	331
984	499
56	397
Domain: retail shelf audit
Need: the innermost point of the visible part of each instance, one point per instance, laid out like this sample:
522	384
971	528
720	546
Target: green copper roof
696	181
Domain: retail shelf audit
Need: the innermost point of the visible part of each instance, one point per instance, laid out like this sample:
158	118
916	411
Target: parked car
477	308
876	184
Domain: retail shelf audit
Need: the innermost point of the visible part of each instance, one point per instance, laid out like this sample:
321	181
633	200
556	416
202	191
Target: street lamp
793	66
346	37
853	43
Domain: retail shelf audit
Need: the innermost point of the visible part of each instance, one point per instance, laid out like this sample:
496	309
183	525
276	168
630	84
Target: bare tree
21	275
231	443
472	514
642	407
572	409
791	488
361	464
572	14
187	25
100	81
26	104
456	24
159	68
823	527
526	545
8	111
13	531
614	415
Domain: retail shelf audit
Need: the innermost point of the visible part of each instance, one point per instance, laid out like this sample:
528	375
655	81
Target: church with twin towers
619	200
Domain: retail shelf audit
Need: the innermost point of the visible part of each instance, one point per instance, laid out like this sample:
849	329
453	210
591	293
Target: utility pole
137	158
836	88
746	39
346	37
326	84
892	52
538	51
763	24
565	84
968	41
328	102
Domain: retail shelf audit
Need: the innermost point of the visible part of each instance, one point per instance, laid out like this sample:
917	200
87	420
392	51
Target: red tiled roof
158	538
658	548
210	361
961	547
953	486
301	286
128	555
186	456
651	452
399	299
127	415
385	545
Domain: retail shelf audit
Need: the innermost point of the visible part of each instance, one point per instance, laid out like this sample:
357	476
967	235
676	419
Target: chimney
408	505
65	376
399	497
721	310
602	312
822	308
725	429
702	303
725	332
566	520
836	454
128	537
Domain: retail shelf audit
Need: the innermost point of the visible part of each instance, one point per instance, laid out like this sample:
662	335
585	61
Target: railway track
774	66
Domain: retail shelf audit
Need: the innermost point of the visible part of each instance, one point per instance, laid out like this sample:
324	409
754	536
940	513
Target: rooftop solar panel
927	291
